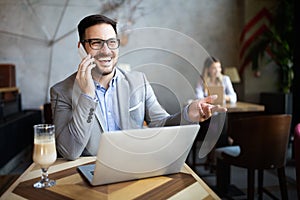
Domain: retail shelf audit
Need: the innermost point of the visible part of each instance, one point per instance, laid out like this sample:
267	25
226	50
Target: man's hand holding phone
84	73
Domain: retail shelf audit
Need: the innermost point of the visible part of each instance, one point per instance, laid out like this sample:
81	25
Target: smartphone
81	51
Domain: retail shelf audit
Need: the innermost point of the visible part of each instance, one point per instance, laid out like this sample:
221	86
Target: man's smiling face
105	58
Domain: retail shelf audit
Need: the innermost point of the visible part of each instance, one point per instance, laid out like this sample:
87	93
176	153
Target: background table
71	185
239	110
244	107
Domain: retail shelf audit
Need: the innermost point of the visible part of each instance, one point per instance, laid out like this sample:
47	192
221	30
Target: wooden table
240	110
71	185
236	111
244	107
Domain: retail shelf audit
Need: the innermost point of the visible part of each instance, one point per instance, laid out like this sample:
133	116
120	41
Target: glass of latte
44	152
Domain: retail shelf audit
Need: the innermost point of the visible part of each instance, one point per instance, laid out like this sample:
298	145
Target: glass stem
45	175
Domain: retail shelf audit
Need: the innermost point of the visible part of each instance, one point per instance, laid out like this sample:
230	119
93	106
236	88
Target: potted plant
277	44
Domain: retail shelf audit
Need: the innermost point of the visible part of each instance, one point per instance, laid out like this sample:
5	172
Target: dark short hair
92	20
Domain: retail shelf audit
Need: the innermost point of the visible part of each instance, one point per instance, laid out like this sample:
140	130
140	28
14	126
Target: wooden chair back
263	140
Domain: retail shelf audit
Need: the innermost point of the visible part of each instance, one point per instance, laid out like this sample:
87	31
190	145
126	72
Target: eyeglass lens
98	43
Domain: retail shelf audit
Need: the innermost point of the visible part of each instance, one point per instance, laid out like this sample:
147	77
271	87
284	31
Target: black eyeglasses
97	44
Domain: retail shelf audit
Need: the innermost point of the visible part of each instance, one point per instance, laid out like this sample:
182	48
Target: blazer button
88	121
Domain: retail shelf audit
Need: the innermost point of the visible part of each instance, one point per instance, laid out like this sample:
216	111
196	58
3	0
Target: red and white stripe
252	30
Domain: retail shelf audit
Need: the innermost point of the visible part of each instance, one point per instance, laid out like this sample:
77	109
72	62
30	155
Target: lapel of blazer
100	118
75	97
123	103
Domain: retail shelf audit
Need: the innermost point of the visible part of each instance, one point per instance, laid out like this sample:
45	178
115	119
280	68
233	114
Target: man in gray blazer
101	97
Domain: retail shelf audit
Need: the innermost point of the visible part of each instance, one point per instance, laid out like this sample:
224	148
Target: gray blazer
79	121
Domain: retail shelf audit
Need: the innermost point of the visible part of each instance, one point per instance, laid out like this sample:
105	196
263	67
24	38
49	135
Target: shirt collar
112	82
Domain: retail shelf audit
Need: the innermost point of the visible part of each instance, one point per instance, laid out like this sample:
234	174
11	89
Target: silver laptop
140	153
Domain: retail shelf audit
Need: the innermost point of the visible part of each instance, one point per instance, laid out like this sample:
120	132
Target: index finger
209	99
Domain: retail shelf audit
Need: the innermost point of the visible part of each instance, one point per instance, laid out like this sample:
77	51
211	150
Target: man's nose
105	48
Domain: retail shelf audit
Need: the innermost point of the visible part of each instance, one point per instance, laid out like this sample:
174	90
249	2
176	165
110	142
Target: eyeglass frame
103	42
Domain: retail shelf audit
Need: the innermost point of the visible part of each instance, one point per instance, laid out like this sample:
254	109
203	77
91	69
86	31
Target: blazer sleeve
73	125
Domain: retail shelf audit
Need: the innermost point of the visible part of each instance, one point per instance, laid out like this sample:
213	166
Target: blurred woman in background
212	76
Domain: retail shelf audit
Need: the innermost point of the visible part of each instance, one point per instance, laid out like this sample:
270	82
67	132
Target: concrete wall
40	38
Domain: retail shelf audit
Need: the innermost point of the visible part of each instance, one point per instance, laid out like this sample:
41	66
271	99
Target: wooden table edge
200	181
17	182
83	160
241	106
69	164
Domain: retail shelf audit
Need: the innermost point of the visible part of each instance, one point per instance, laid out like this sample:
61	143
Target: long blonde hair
205	74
